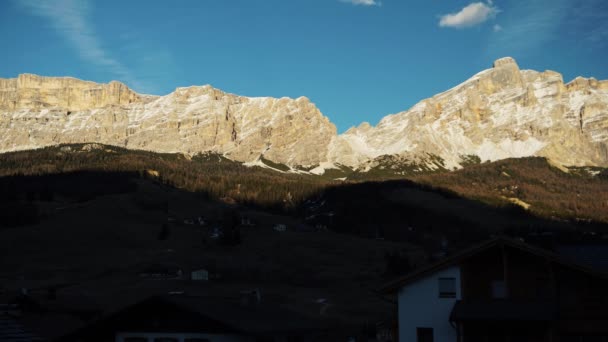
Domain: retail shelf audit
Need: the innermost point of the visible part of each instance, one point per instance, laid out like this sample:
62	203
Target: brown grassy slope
549	191
212	174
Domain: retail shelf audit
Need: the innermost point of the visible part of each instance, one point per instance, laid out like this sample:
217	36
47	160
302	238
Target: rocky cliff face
31	92
499	113
40	111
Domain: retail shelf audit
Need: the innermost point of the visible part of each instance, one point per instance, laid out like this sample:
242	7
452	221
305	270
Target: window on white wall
447	287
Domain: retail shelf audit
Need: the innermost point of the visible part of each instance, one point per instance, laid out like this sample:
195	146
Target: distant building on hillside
246	221
162	271
216	232
503	290
249	297
280	227
201	274
201	221
320	227
304	228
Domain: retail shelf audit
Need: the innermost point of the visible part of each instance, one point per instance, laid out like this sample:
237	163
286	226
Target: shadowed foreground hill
100	241
92	220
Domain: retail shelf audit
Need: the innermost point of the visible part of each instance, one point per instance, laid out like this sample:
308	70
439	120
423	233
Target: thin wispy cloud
70	18
529	26
590	17
471	15
362	2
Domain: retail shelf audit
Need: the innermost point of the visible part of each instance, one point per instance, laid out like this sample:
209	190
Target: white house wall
421	307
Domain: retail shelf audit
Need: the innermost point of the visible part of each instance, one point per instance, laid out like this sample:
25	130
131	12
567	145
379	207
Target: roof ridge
395	285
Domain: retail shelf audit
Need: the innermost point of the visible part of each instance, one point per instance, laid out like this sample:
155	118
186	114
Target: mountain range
502	112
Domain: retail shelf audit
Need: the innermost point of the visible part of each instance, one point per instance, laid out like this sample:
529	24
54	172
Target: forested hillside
210	174
532	184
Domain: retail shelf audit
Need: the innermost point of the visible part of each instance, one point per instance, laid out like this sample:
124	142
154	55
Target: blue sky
358	60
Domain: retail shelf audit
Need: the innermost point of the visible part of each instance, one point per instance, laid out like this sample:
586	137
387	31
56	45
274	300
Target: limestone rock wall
502	112
40	111
34	92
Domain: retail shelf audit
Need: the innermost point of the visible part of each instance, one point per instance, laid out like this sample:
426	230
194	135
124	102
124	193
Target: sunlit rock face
40	111
501	112
34	92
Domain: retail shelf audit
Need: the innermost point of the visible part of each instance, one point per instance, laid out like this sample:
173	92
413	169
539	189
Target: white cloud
497	28
70	19
471	15
363	2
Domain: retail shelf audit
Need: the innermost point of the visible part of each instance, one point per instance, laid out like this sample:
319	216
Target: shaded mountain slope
547	190
534	183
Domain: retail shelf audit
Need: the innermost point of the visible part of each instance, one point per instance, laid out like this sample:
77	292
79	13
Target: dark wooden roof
498	242
503	310
252	318
195	314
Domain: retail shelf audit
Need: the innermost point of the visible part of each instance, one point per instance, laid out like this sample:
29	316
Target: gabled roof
196	314
255	319
498	242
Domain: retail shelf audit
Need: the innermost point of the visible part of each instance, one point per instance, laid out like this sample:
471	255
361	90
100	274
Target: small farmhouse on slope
503	290
183	318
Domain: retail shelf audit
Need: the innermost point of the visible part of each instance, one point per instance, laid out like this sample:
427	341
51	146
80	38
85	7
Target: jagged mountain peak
500	112
505	61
